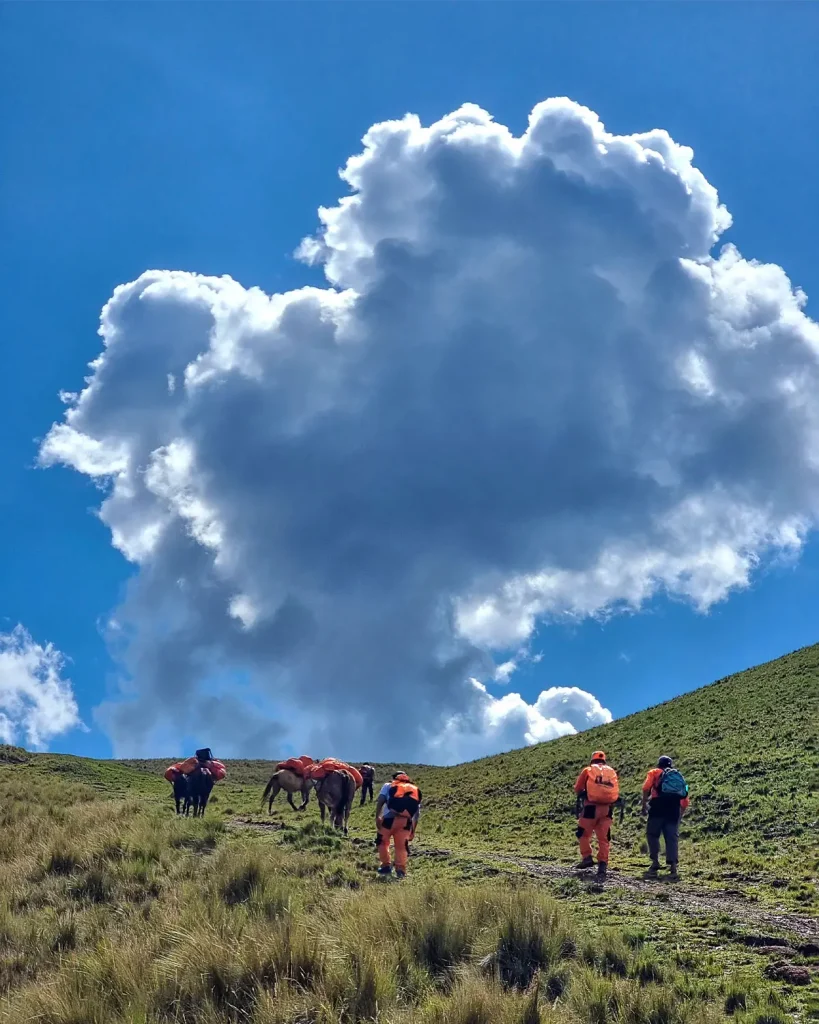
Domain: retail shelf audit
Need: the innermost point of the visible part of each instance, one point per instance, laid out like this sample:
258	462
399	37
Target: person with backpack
665	801
396	817
598	790
367	776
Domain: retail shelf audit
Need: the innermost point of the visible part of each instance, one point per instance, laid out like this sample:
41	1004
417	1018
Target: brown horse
335	793
290	783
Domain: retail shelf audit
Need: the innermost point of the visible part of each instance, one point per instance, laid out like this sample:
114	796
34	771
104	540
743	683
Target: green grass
113	911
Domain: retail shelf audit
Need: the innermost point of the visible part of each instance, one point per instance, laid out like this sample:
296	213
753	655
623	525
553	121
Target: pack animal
199	783
289	782
335	794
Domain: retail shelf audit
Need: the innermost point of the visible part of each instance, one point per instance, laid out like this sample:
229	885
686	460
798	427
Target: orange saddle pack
292	764
216	768
332	764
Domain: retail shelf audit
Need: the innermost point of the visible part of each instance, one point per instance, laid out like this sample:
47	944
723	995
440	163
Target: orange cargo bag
602	784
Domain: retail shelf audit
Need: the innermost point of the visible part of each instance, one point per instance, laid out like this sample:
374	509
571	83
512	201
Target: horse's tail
272	784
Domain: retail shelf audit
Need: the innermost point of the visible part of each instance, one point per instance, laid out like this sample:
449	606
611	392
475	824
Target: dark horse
199	784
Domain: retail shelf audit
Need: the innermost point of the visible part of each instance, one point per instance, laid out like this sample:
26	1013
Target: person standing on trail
396	816
665	801
598	790
367	777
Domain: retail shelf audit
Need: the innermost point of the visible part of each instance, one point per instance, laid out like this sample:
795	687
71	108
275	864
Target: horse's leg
290	801
305	797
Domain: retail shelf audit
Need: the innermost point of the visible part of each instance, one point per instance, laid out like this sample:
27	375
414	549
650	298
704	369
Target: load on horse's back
193	780
323	768
291	776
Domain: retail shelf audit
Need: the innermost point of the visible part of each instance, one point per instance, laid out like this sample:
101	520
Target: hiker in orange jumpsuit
396	816
597	789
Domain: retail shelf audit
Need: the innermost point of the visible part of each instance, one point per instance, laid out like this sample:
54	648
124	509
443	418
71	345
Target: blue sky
204	137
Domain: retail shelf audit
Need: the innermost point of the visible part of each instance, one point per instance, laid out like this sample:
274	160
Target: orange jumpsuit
594	819
401	830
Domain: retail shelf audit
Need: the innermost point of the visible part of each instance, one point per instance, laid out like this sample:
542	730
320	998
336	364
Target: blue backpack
672	783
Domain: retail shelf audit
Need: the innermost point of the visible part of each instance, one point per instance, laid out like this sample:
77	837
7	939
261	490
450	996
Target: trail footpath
679	896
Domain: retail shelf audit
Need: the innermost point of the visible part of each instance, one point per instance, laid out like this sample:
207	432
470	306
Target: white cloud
499	723
530	392
36	702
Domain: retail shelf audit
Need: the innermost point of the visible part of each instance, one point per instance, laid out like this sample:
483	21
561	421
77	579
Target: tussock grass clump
243	883
61	862
647	968
533	934
608	951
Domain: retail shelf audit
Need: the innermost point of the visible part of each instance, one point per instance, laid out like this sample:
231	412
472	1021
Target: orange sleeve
580	785
651	778
684	803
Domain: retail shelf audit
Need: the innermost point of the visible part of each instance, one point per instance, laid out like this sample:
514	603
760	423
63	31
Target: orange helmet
598	755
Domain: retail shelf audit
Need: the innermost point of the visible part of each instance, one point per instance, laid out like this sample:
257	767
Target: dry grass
117	912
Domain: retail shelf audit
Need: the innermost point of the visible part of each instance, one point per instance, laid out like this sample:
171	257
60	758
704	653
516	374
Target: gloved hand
644	809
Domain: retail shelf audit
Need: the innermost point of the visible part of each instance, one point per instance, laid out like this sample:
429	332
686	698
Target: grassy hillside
113	911
747	744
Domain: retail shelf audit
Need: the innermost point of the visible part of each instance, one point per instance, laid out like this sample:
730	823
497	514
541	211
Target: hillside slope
748	745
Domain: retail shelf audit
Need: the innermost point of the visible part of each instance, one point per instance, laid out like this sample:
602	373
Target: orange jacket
650	786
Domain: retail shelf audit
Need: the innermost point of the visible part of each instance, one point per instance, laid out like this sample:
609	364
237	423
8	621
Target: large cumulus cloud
530	389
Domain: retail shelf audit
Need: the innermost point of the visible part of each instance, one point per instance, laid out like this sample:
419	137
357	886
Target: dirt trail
681	897
678	896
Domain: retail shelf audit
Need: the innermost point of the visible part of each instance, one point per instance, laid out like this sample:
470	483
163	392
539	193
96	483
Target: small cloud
503	673
494	724
36	701
624	657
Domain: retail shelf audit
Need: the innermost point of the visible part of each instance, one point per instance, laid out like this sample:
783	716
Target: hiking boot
602	869
673	874
653	870
385	869
399	873
587	862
